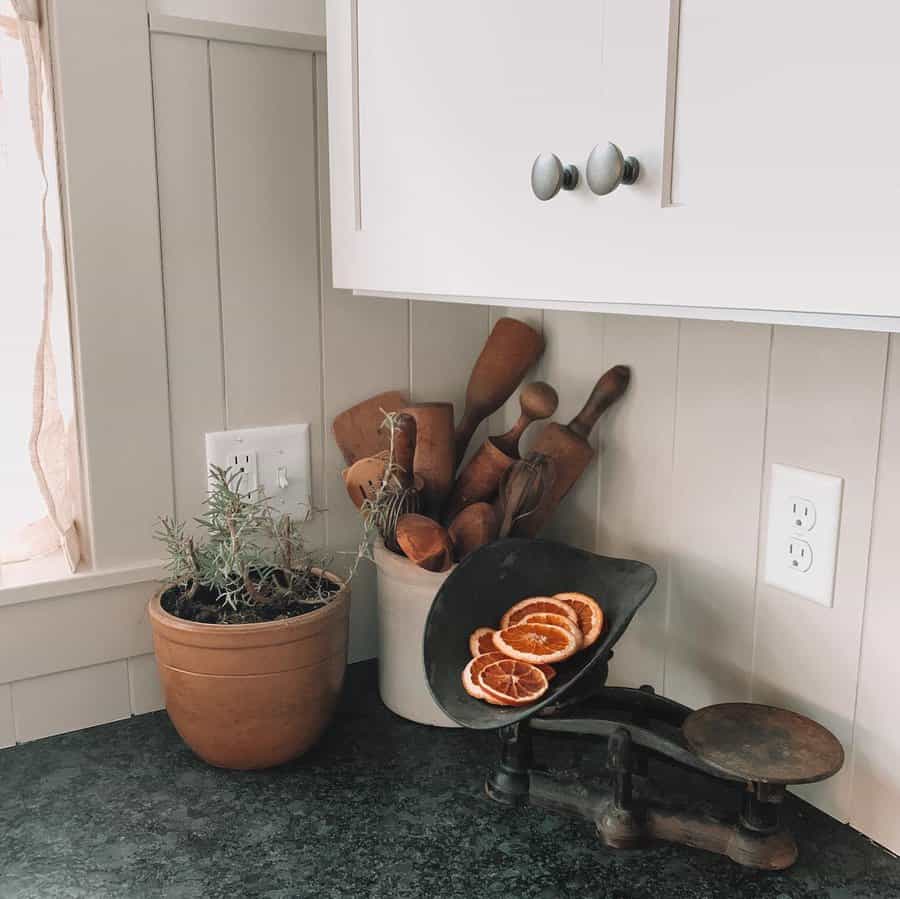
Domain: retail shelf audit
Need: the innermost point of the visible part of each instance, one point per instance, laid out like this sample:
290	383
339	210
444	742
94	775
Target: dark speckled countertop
381	808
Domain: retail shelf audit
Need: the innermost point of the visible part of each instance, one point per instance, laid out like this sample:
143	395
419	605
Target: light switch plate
802	532
282	462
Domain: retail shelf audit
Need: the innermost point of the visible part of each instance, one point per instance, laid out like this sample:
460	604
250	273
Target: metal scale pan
495	577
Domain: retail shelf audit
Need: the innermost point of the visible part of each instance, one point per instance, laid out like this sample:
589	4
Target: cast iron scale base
757	748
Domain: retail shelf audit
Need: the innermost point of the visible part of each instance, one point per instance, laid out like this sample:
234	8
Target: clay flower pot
252	695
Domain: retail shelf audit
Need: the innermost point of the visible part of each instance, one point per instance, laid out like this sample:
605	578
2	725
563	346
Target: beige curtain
52	443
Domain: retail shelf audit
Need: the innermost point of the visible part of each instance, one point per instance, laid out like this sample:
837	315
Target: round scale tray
495	577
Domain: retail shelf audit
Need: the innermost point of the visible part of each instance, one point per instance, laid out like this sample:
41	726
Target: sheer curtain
38	447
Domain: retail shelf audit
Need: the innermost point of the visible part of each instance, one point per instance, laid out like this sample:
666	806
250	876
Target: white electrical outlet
802	534
276	459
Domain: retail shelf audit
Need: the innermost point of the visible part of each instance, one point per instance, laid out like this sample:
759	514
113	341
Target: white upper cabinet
767	136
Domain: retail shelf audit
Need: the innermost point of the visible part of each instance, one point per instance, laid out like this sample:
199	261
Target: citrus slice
553	618
480	641
471	672
590	615
549	671
536	643
537	604
512	681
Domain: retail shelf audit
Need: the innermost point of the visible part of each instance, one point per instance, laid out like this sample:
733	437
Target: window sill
49	577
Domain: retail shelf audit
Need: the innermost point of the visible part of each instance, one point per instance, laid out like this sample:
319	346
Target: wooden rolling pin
433	460
480	479
511	349
569	449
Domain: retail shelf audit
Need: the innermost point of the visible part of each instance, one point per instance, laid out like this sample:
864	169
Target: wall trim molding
238	34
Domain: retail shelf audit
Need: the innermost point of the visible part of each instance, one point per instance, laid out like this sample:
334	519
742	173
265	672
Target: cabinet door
767	136
437	112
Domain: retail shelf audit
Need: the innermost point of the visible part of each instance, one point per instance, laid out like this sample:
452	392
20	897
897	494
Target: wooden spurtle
425	542
479	480
404	447
537	401
433	460
358	432
511	349
569	449
475	526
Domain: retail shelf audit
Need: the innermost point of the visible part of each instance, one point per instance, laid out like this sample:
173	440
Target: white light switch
802	533
279	462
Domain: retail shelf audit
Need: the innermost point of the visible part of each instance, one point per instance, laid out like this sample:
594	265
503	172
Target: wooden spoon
537	401
404	447
363	478
425	542
475	526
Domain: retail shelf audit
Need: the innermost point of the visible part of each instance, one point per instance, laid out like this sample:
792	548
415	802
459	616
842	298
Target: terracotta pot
252	695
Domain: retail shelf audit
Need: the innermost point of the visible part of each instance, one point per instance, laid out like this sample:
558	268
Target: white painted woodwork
238	34
825	398
876	734
101	67
144	687
636	481
572	362
772	141
70	700
292	16
720	427
49	635
187	202
7	727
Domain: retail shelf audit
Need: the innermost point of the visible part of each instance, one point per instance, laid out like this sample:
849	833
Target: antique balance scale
758	749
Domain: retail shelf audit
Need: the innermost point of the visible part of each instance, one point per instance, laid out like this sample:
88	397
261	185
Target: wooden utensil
567	446
363	478
511	349
475	526
479	480
522	490
537	401
425	542
433	460
358	430
404	447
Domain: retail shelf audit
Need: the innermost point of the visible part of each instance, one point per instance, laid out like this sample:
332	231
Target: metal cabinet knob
548	175
607	168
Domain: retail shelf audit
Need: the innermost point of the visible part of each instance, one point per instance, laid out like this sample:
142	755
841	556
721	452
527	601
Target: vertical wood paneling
636	480
572	363
184	158
266	184
102	70
70	700
144	687
825	415
365	351
876	745
7	727
720	427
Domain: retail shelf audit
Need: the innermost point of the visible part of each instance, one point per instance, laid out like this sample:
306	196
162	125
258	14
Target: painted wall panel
572	363
70	700
636	481
305	16
7	727
720	427
824	415
144	687
875	806
187	201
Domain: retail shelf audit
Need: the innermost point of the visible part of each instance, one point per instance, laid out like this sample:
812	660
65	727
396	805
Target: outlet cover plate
824	492
282	455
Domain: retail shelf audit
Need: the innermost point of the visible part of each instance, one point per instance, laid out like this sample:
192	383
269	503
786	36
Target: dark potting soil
204	606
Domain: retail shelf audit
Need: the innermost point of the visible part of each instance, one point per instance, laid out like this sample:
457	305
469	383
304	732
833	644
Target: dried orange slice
512	681
537	604
471	672
549	671
536	643
481	641
590	615
553	618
